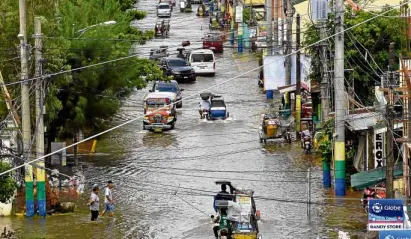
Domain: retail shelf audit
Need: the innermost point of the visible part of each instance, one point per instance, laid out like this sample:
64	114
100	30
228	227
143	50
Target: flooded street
164	183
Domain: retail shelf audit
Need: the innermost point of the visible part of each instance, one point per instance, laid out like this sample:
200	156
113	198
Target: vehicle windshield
156	103
202	58
164	6
166	88
177	63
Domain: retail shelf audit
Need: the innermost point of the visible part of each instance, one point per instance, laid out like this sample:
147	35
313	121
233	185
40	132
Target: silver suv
163	9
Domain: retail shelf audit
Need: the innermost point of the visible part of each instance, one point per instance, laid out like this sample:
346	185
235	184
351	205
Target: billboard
385	214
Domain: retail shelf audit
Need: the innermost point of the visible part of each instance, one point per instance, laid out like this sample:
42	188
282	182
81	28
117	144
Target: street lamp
82	31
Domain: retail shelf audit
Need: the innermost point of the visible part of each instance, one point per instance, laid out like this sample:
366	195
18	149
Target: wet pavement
164	182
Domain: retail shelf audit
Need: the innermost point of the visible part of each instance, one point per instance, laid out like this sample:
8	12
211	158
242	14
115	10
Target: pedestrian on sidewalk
94	203
108	200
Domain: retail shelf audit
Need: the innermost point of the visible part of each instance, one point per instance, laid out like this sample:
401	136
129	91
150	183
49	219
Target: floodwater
164	182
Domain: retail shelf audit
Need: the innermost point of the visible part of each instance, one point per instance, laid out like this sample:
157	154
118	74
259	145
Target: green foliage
126	4
246	14
325	145
7	184
375	36
82	100
137	14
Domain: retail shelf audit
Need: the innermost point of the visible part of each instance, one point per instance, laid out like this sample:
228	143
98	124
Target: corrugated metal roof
357	122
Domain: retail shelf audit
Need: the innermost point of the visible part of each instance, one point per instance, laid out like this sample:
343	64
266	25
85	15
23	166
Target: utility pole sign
379	149
239	14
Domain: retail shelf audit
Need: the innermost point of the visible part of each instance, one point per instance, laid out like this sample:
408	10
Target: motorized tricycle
273	127
162	27
185	6
212	107
158	53
237	214
202	11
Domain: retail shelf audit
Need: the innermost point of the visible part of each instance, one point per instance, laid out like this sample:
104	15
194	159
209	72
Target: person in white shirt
108	200
94	203
204	105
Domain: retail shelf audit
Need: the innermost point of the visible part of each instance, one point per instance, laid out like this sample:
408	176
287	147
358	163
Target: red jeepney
214	42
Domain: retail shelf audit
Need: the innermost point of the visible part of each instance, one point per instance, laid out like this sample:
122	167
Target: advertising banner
385	214
398	234
379	150
239	14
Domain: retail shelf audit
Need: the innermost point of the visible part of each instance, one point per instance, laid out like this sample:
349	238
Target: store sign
385	214
239	14
378	150
399	234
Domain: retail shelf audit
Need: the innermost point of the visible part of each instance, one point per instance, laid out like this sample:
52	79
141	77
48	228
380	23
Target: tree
7	184
375	36
81	100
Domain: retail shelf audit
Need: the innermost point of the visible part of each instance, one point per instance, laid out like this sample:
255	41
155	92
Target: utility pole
275	8
390	126
290	13
41	174
269	19
340	98
25	110
324	82
282	36
298	79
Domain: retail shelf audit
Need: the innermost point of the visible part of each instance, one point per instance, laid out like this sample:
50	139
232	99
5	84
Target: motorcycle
204	113
307	142
367	195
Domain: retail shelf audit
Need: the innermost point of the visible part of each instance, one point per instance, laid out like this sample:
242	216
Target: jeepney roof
171	95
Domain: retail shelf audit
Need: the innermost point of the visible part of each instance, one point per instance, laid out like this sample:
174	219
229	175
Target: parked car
179	68
213	41
163	9
172	86
202	61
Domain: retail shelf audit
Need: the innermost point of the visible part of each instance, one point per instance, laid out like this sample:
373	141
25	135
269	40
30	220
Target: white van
202	61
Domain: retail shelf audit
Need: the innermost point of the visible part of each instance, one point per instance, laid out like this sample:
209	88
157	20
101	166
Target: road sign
385	214
397	234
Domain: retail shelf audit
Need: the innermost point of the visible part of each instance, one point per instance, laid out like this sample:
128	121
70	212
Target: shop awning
357	122
292	88
371	177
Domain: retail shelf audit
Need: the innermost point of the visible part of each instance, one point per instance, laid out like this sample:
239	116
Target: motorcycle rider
304	134
368	194
221	222
204	105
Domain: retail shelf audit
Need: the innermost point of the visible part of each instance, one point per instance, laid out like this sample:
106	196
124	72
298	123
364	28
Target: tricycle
185	6
274	127
162	27
212	107
237	215
202	11
158	53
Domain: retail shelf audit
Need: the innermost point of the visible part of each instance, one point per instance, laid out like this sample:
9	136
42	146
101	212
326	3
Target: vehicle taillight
214	66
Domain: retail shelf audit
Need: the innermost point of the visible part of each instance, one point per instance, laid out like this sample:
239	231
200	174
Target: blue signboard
397	234
385	214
